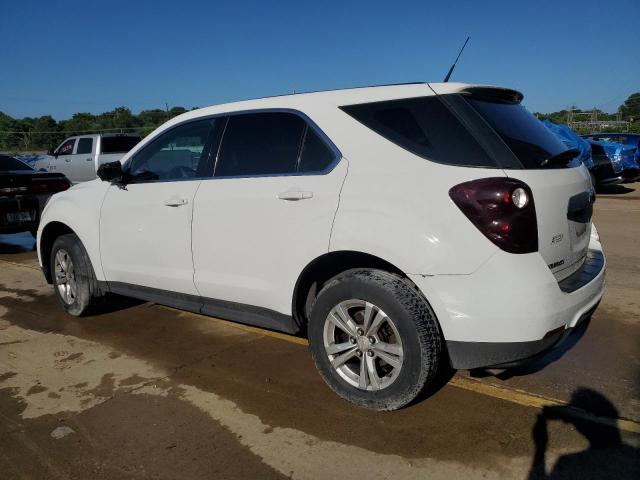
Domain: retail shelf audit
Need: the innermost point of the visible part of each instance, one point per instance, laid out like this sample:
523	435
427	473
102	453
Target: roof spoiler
494	94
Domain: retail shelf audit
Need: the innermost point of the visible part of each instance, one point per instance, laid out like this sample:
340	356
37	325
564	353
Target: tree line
44	133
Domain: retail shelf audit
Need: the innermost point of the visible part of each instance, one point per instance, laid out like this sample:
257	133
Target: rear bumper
20	204
470	355
512	308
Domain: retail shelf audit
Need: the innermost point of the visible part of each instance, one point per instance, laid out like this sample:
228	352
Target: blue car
623	149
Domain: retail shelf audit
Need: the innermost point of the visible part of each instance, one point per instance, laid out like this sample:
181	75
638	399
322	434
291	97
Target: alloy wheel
363	344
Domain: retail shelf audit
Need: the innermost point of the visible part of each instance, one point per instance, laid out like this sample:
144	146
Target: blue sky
66	56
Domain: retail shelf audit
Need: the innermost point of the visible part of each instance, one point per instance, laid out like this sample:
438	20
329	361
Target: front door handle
294	195
176	202
67	159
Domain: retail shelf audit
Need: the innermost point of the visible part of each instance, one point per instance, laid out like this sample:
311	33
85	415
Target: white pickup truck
79	157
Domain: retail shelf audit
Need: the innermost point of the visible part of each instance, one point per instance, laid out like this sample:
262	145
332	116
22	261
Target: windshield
119	144
8	163
526	136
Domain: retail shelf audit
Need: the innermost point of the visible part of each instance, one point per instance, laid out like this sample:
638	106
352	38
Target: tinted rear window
118	144
425	127
9	163
526	136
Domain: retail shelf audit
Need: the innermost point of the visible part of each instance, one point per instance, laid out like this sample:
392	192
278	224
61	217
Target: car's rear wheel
74	281
374	338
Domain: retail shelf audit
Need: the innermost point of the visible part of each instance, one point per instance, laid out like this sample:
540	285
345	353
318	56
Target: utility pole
166	106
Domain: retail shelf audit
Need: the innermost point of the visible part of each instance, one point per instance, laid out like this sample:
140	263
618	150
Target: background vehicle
23	194
393	225
614	163
79	157
608	163
623	149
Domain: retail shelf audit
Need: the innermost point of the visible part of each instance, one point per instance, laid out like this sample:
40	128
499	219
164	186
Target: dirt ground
145	391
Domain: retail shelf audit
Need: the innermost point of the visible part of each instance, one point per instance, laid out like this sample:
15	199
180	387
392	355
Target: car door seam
335	214
193	260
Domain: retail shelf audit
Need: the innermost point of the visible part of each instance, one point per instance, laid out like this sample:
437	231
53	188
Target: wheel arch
49	233
325	267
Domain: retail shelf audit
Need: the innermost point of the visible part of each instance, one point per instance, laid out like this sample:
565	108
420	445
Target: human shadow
605	457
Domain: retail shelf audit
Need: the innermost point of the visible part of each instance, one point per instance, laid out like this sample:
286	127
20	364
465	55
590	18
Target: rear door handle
294	195
175	202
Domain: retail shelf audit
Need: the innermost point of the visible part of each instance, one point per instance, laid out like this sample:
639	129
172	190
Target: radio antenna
446	79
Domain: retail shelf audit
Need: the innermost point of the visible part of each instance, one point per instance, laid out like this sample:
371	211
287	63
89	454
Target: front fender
78	209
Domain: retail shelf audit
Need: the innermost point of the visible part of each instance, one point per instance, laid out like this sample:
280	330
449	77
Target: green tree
630	109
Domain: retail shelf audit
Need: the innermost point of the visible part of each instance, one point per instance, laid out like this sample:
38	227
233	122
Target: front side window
180	153
260	144
67	147
425	127
85	145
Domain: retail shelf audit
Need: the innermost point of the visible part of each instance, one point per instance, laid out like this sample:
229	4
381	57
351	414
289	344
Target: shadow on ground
614	189
605	457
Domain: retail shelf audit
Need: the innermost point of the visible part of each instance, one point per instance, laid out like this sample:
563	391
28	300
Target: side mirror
110	172
50	152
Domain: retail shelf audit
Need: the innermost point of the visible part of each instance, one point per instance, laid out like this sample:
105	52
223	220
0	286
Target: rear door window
425	127
265	143
316	156
85	145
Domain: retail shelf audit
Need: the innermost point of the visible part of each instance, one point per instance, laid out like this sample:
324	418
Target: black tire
414	320
88	291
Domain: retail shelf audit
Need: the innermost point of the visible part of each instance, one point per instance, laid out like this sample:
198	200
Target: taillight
49	186
502	209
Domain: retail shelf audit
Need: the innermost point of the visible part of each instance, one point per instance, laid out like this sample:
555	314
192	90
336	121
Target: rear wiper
561	158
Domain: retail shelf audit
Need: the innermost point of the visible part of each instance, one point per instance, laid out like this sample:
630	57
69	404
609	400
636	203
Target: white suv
398	227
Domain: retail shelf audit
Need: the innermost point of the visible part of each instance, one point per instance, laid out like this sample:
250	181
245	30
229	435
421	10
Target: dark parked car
24	193
617	156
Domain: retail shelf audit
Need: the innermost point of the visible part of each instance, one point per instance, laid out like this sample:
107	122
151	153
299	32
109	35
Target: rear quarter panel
396	206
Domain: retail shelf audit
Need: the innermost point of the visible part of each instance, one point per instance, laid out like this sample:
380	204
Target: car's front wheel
374	338
74	281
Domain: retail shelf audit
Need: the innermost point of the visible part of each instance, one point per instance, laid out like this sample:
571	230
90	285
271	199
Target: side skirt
235	312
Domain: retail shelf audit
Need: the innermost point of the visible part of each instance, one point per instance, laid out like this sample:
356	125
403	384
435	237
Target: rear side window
425	127
118	144
526	136
8	163
260	144
85	145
